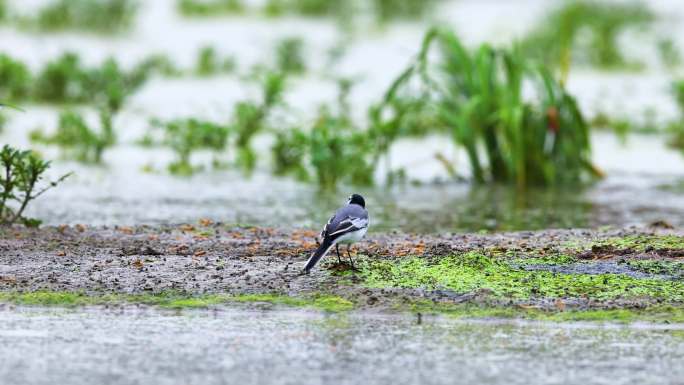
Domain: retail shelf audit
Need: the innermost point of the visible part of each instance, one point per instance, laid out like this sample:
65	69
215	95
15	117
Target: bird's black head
357	200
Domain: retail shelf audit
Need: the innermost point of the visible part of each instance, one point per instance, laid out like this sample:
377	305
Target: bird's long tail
318	254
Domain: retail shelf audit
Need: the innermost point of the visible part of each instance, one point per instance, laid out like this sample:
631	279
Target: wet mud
208	258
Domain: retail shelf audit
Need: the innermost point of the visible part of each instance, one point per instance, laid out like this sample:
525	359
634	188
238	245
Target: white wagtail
347	226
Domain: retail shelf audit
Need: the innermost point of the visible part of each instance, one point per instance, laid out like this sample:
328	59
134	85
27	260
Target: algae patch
475	272
321	302
670	268
633	244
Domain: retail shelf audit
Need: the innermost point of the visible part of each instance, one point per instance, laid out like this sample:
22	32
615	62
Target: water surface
234	345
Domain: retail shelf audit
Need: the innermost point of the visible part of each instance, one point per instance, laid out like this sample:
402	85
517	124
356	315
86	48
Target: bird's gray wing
347	219
327	225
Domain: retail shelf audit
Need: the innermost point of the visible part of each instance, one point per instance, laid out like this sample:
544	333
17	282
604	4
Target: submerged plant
209	63
66	80
185	136
382	10
305	7
676	127
104	16
107	87
20	177
250	118
157	64
78	140
586	31
478	94
669	53
334	150
387	10
15	79
209	7
290	57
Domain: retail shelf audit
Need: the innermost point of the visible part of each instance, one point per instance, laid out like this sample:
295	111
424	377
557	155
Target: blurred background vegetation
290	97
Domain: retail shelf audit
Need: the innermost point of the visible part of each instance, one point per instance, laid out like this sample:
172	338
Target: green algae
172	300
657	266
335	304
548	260
475	272
633	243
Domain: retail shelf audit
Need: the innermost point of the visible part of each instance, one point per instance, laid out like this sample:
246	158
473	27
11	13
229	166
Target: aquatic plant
305	7
78	140
185	136
108	87
15	79
20	183
290	57
669	52
209	8
478	94
66	80
675	128
209	63
250	117
289	153
102	16
387	10
334	150
157	64
586	32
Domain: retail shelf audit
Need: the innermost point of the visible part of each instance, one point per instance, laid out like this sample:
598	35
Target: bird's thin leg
350	257
337	247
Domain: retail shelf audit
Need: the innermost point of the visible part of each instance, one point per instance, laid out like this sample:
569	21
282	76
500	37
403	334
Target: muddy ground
215	258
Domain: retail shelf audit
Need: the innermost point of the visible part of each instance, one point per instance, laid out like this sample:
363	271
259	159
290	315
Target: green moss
639	243
332	303
46	298
657	266
475	272
172	300
552	260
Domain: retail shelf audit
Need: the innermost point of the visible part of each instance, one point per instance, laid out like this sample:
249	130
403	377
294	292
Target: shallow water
120	193
233	345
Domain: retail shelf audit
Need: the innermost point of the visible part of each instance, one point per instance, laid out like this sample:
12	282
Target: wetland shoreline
209	264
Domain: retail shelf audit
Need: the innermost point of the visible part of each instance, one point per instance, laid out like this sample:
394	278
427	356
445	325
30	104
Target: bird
347	226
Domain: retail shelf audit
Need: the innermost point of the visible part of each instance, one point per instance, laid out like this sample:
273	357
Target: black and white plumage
347	226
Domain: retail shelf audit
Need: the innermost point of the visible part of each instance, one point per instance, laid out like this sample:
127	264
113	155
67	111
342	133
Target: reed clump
478	95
